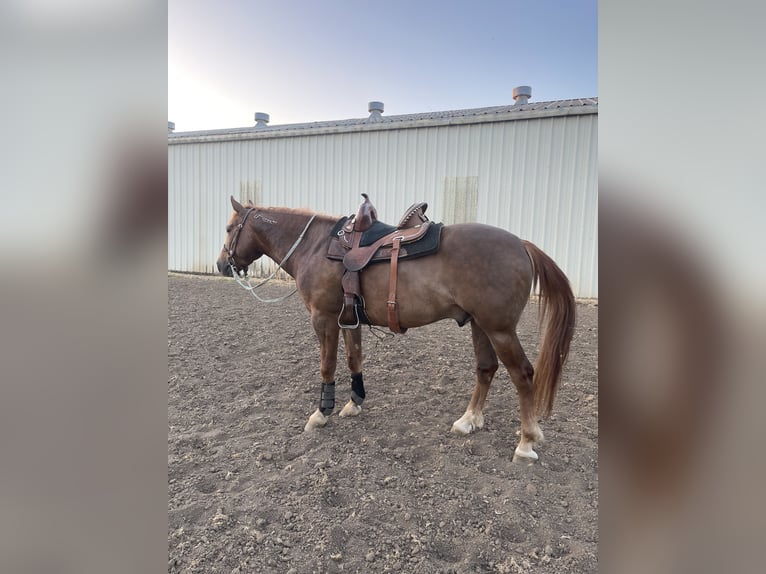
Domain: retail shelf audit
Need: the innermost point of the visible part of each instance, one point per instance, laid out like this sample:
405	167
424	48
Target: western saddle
361	239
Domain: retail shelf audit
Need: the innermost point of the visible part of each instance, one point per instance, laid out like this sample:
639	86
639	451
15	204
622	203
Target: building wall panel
534	177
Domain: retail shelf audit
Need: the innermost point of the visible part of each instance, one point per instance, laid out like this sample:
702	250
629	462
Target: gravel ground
392	490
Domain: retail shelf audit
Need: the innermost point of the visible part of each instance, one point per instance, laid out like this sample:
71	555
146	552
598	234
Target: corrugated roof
474	115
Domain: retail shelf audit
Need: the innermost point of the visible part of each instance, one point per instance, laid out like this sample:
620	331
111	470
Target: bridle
234	240
240	275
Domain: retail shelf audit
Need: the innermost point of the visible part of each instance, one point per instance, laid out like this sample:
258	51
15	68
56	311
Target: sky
305	61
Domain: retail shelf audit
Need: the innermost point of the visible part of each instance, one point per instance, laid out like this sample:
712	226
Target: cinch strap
393	311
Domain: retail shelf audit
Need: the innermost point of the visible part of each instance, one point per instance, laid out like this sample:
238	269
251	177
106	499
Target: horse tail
558	304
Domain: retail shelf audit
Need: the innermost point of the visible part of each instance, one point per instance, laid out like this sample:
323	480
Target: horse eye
228	229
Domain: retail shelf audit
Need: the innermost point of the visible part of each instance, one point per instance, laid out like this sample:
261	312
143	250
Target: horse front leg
326	328
352	339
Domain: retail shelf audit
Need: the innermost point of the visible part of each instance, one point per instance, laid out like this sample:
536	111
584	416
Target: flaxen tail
558	304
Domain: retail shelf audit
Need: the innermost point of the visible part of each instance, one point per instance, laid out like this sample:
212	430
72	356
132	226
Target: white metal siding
534	177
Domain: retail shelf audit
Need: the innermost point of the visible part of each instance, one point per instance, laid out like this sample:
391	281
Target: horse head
241	246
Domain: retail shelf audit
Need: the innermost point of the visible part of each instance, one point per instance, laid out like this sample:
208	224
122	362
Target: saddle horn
366	215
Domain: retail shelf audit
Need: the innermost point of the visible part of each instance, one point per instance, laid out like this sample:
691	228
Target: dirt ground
392	490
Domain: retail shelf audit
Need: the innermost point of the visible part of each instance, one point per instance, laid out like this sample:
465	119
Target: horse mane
302	211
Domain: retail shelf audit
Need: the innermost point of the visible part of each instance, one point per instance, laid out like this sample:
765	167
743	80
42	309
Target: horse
481	275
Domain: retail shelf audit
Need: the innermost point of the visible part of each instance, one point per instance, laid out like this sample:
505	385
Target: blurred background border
83	407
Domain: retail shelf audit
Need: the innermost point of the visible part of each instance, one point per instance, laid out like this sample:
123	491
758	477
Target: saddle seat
361	239
379	245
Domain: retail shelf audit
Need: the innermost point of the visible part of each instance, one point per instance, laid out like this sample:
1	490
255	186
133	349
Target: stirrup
349	325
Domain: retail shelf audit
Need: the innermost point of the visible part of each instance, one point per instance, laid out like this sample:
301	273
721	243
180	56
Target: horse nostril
224	268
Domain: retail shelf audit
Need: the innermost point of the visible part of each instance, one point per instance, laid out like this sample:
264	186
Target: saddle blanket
426	245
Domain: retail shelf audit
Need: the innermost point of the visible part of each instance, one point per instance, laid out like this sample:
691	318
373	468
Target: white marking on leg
316	420
524	453
351	409
468	423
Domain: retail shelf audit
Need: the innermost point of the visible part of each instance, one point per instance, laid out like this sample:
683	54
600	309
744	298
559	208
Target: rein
244	282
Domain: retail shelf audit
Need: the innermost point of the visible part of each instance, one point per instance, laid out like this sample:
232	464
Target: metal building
530	168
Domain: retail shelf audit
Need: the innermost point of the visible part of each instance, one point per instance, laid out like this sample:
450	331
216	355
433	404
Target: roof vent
261	120
522	94
171	127
375	109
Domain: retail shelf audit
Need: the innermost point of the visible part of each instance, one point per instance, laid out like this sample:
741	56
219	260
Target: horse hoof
468	423
527	456
462	427
351	409
316	420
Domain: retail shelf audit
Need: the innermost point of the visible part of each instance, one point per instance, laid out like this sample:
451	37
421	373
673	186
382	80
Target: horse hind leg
352	339
521	371
486	367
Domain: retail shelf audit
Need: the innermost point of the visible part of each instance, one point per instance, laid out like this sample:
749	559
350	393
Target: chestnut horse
480	274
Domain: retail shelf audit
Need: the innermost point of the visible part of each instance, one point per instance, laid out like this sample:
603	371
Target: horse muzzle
224	267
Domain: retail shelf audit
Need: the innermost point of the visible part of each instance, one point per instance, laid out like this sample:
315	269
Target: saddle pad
375	232
338	226
427	245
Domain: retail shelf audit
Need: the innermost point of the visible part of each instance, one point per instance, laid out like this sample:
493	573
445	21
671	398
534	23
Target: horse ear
236	205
